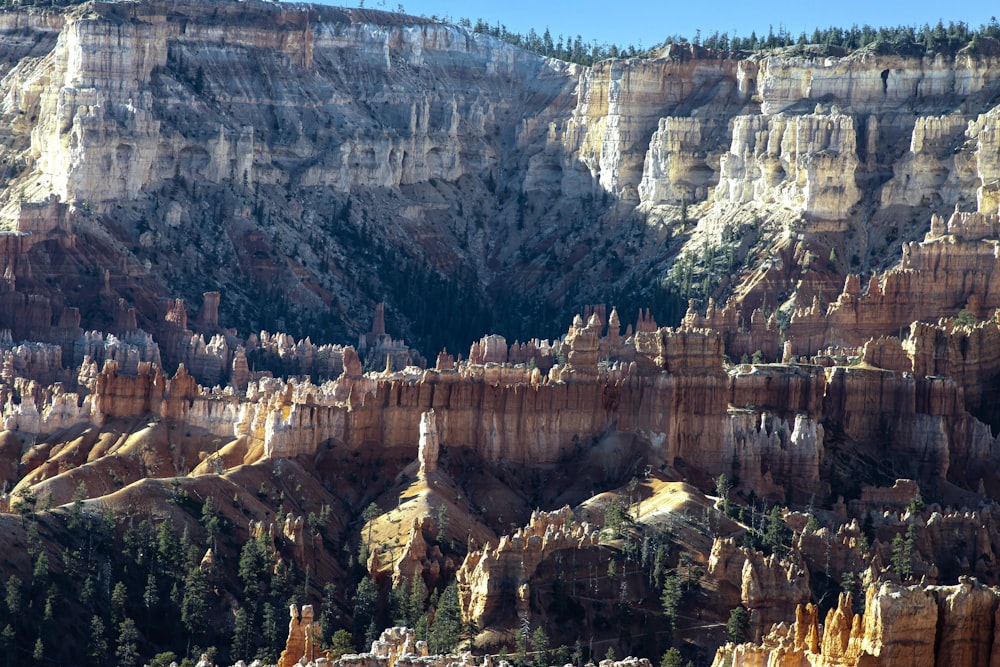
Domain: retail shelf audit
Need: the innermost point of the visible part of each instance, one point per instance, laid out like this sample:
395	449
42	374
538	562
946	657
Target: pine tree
340	644
776	534
76	510
328	610
127	651
365	599
253	567
242	636
119	597
416	600
737	625
168	548
446	629
150	596
369	515
399	598
540	645
98	649
194	604
420	628
672	658
902	554
14	595
671	597
271	631
722	488
210	519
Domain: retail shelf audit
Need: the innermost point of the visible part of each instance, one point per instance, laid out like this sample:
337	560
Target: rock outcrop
805	163
912	625
767	586
488	577
429	447
303	637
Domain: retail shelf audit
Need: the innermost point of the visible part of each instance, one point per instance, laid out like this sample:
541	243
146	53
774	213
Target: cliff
278	188
912	625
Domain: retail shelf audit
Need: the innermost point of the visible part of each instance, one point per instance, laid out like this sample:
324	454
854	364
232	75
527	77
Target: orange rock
913	625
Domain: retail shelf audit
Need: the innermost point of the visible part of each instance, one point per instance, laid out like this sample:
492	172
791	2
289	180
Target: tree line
569	49
901	40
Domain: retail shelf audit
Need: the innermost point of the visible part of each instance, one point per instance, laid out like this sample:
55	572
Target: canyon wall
267	162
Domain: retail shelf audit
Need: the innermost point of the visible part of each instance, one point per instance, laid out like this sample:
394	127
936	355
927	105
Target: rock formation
901	625
303	639
429	447
499	570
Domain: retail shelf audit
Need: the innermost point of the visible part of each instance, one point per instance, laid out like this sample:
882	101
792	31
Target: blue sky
642	21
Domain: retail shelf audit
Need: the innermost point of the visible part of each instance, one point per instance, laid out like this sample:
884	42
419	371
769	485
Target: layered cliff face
316	147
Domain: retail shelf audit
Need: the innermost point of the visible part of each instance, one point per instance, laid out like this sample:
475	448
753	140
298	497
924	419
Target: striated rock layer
148	162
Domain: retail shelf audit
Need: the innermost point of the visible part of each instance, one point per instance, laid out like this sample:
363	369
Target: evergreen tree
722	488
521	644
271	631
416	600
671	597
369	515
253	567
88	591
737	625
617	518
540	645
364	603
150	596
902	554
446	629
127	650
672	658
163	659
119	598
242	636
399	598
776	534
13	597
210	519
420	628
328	610
76	510
168	548
98	649
194	604
40	573
340	644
